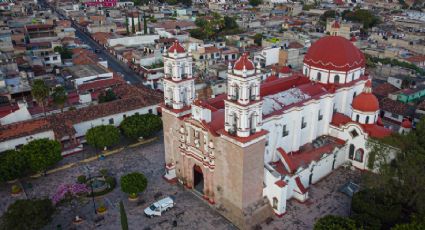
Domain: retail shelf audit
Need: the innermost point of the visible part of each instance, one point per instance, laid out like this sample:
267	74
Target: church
269	138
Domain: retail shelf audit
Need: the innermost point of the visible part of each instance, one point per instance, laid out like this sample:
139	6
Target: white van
157	208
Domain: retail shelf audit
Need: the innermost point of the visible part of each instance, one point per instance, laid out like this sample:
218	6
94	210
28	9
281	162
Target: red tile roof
374	130
177	47
366	101
300	185
24	128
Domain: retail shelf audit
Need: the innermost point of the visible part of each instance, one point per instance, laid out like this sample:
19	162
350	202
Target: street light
91	187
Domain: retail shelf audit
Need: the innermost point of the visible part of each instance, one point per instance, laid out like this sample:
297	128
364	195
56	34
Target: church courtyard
190	211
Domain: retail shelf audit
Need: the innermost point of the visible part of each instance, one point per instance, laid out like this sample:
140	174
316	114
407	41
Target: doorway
198	179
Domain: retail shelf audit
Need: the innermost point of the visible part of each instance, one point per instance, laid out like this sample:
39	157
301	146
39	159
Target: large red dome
334	53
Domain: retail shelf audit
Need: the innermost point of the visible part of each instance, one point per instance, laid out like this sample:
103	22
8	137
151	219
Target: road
117	66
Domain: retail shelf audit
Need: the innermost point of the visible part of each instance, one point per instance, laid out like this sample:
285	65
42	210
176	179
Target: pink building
102	3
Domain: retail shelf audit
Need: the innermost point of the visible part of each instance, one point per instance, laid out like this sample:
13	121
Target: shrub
103	136
133	183
137	125
81	179
16	189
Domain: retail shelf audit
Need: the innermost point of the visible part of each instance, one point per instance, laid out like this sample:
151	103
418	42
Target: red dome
406	124
176	47
334	53
366	101
242	62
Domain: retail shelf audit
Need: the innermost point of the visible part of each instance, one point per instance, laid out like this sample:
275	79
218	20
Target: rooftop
80	71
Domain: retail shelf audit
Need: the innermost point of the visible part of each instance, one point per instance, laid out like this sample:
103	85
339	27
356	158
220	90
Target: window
367	120
124	116
137	113
354	95
351	152
275	201
320	116
336	79
303	123
357	118
150	111
305	71
284	131
359	155
354	133
111	121
55	58
319	76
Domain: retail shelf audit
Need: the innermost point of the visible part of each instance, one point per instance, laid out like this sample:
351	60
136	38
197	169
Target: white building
293	130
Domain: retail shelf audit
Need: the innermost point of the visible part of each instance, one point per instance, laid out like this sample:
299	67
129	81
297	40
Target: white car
157	208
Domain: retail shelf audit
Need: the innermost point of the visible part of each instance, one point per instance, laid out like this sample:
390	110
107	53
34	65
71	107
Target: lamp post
91	187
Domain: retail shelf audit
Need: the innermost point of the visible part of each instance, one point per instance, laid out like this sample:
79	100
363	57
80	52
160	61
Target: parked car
157	208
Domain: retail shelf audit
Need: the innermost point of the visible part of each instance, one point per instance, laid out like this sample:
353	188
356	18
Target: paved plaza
190	211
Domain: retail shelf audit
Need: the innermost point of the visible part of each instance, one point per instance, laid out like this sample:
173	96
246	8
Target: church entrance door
198	179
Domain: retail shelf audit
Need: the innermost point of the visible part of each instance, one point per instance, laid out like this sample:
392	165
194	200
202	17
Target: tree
133	183
28	214
137	125
410	226
40	92
328	14
103	136
42	154
123	215
64	52
59	97
13	165
364	16
399	181
107	96
330	222
255	3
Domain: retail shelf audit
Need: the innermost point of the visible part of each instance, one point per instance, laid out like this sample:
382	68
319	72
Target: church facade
268	138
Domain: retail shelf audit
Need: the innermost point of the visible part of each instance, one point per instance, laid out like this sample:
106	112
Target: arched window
367	120
336	79
275	201
305	71
357	118
354	95
319	76
351	152
359	155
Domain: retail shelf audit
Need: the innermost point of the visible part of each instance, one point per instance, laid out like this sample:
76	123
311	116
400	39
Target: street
118	67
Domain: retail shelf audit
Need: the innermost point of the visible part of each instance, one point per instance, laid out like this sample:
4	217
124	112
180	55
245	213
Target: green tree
330	222
255	3
59	97
40	92
230	23
64	52
123	216
107	96
133	183
145	24
410	226
103	136
399	181
137	125
367	18
328	14
42	154
27	214
13	165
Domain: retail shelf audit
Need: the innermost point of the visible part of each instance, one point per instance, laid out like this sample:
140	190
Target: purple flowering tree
68	191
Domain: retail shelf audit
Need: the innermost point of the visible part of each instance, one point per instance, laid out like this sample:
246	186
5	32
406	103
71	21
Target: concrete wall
11	144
